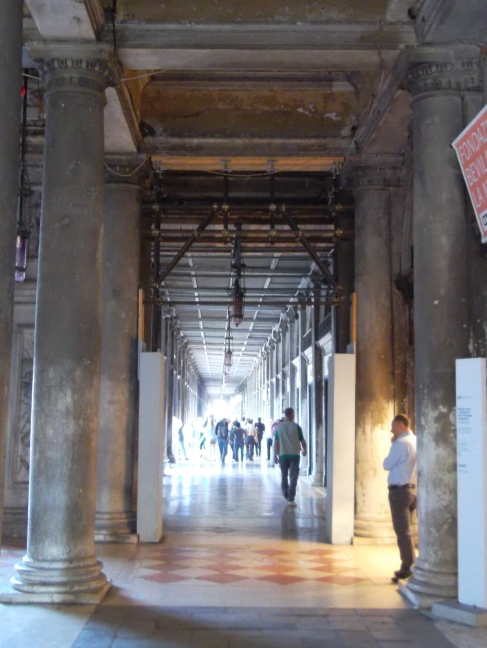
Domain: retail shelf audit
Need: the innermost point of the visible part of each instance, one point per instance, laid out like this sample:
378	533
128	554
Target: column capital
376	171
66	65
451	72
123	169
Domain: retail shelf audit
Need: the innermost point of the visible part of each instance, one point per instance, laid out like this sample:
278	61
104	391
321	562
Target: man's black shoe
401	575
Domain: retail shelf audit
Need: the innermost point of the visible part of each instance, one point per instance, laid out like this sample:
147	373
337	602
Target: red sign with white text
471	149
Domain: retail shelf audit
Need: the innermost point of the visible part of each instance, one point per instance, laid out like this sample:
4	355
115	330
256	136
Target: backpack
221	430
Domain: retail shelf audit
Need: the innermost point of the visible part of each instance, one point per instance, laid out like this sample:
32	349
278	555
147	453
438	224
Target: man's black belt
402	486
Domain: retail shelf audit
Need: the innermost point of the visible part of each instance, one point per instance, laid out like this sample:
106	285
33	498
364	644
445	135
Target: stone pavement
230	627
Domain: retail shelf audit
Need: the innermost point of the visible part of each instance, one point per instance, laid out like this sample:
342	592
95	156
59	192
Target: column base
65	577
374	532
426	587
14	597
115	527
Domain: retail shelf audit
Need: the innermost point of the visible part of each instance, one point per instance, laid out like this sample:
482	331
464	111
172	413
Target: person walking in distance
288	441
402	479
222	436
239	434
250	434
260	427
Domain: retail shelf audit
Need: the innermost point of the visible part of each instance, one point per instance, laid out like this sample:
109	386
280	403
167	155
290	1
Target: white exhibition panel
472	481
340	451
151	447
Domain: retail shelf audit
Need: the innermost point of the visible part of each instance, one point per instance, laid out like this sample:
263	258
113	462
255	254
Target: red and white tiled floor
230	564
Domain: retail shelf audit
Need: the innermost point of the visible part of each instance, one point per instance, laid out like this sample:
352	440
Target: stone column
115	520
182	382
400	314
292	356
146	277
284	360
272	380
303	387
278	388
318	429
60	557
170	389
375	382
10	81
441	314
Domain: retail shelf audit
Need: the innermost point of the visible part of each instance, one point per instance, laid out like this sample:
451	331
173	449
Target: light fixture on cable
237	280
228	347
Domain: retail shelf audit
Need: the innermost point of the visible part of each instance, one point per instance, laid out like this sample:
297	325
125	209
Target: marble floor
238	569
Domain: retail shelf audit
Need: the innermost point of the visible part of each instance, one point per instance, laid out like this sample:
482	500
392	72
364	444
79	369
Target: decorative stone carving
445	76
88	66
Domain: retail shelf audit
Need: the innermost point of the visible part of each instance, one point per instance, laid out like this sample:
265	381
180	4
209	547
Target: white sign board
340	449
151	447
472	481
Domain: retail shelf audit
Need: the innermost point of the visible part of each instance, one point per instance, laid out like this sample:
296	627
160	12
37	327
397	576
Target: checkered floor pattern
222	565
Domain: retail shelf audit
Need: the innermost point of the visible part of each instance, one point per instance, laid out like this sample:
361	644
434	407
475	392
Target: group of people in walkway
238	436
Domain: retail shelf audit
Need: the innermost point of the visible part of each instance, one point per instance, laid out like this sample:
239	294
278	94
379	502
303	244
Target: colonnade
283	376
76	331
185	393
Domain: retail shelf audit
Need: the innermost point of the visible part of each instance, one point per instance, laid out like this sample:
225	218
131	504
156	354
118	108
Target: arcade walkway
238	569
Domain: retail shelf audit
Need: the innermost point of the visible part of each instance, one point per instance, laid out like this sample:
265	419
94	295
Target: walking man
222	436
260	427
239	433
403	472
288	441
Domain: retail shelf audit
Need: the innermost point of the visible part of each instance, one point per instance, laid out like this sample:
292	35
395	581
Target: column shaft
10	81
68	332
375	385
303	387
318	429
441	317
115	520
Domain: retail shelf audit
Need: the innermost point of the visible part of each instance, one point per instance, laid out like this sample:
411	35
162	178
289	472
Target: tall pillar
115	520
10	81
272	380
375	382
182	382
170	389
60	557
284	361
318	429
278	388
146	278
291	352
441	313
267	412
303	385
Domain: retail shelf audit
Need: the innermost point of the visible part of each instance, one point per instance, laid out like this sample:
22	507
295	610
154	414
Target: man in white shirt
403	475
